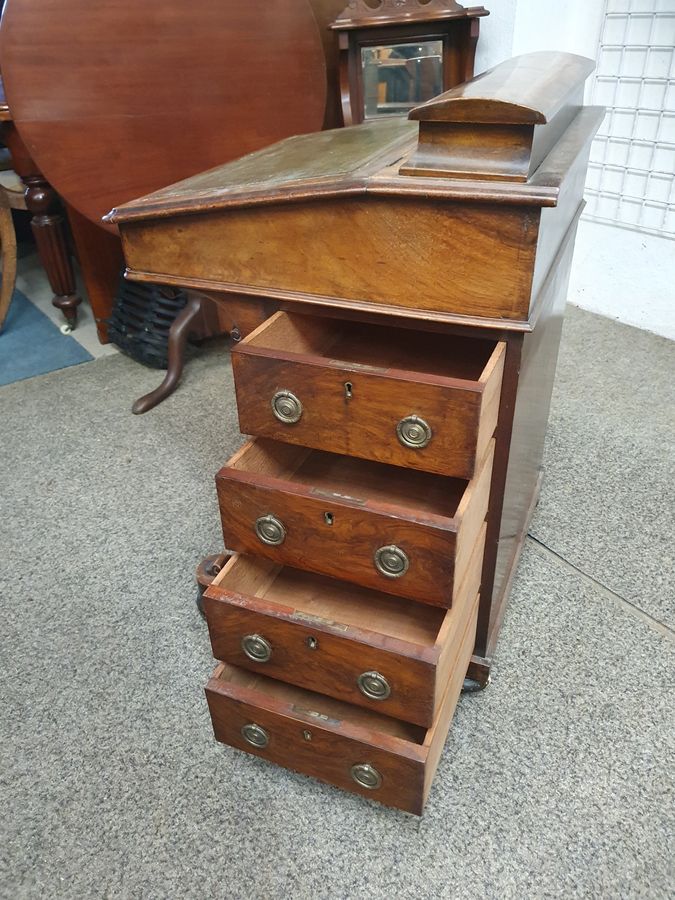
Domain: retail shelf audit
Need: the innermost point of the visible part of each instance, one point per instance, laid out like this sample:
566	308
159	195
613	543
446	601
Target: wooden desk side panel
471	259
538	361
555	221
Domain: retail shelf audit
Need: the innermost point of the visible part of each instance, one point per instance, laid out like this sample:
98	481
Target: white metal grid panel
631	177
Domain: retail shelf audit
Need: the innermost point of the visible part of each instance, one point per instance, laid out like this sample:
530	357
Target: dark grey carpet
609	499
555	782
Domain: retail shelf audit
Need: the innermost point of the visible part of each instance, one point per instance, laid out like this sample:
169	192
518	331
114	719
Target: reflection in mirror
399	76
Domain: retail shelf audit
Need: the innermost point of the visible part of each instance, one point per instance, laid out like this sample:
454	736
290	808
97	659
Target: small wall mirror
397	77
396	54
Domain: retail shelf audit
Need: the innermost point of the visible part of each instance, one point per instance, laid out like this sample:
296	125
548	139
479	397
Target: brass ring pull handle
414	432
366	775
286	407
270	530
255	735
256	647
373	685
391	561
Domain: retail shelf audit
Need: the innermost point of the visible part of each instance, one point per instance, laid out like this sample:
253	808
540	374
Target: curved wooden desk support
178	335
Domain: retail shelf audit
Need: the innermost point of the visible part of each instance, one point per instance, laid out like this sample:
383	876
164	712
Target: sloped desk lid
497	138
437	218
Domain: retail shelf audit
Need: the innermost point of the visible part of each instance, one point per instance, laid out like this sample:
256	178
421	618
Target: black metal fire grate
141	318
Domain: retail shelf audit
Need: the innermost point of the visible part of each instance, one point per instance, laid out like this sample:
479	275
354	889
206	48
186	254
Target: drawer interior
307	701
326	474
374	346
333	601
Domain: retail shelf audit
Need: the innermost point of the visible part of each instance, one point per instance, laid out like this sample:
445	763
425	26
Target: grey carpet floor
555	782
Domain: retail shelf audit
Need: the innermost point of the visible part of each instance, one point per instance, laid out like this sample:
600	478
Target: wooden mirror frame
361	24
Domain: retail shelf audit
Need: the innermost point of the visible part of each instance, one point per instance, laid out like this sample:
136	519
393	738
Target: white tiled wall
631	181
624	264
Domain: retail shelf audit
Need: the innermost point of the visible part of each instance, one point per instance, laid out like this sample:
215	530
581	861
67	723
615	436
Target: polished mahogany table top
114	104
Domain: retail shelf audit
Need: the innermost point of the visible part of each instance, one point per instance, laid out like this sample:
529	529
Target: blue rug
31	344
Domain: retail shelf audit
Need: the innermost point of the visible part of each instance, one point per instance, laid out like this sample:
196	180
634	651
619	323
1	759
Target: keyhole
348	390
328	518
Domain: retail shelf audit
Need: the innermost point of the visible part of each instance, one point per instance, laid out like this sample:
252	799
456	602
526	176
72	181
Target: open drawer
414	399
402	531
357	645
360	750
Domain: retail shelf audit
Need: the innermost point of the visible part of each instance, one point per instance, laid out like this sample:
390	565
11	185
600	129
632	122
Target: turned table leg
49	228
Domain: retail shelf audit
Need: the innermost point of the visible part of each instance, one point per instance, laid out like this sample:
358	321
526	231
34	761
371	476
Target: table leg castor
477	676
206	571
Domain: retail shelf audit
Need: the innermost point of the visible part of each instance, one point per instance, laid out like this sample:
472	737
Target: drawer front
350	548
409	422
368	667
319	745
332	658
391	549
355	749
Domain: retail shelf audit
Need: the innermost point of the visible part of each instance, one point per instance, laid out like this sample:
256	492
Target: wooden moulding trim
408	13
418	19
356	635
462	189
466	190
247	197
344	728
428	315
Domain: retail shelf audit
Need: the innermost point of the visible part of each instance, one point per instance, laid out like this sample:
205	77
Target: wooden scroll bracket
178	335
204	315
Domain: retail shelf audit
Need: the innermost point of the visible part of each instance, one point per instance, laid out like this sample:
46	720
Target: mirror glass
397	77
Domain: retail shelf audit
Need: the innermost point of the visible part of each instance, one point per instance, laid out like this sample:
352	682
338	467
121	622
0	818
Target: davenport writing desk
397	399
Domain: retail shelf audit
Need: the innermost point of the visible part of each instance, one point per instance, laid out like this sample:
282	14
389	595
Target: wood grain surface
338	511
364	425
120	101
324	633
324	738
442	242
525	90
